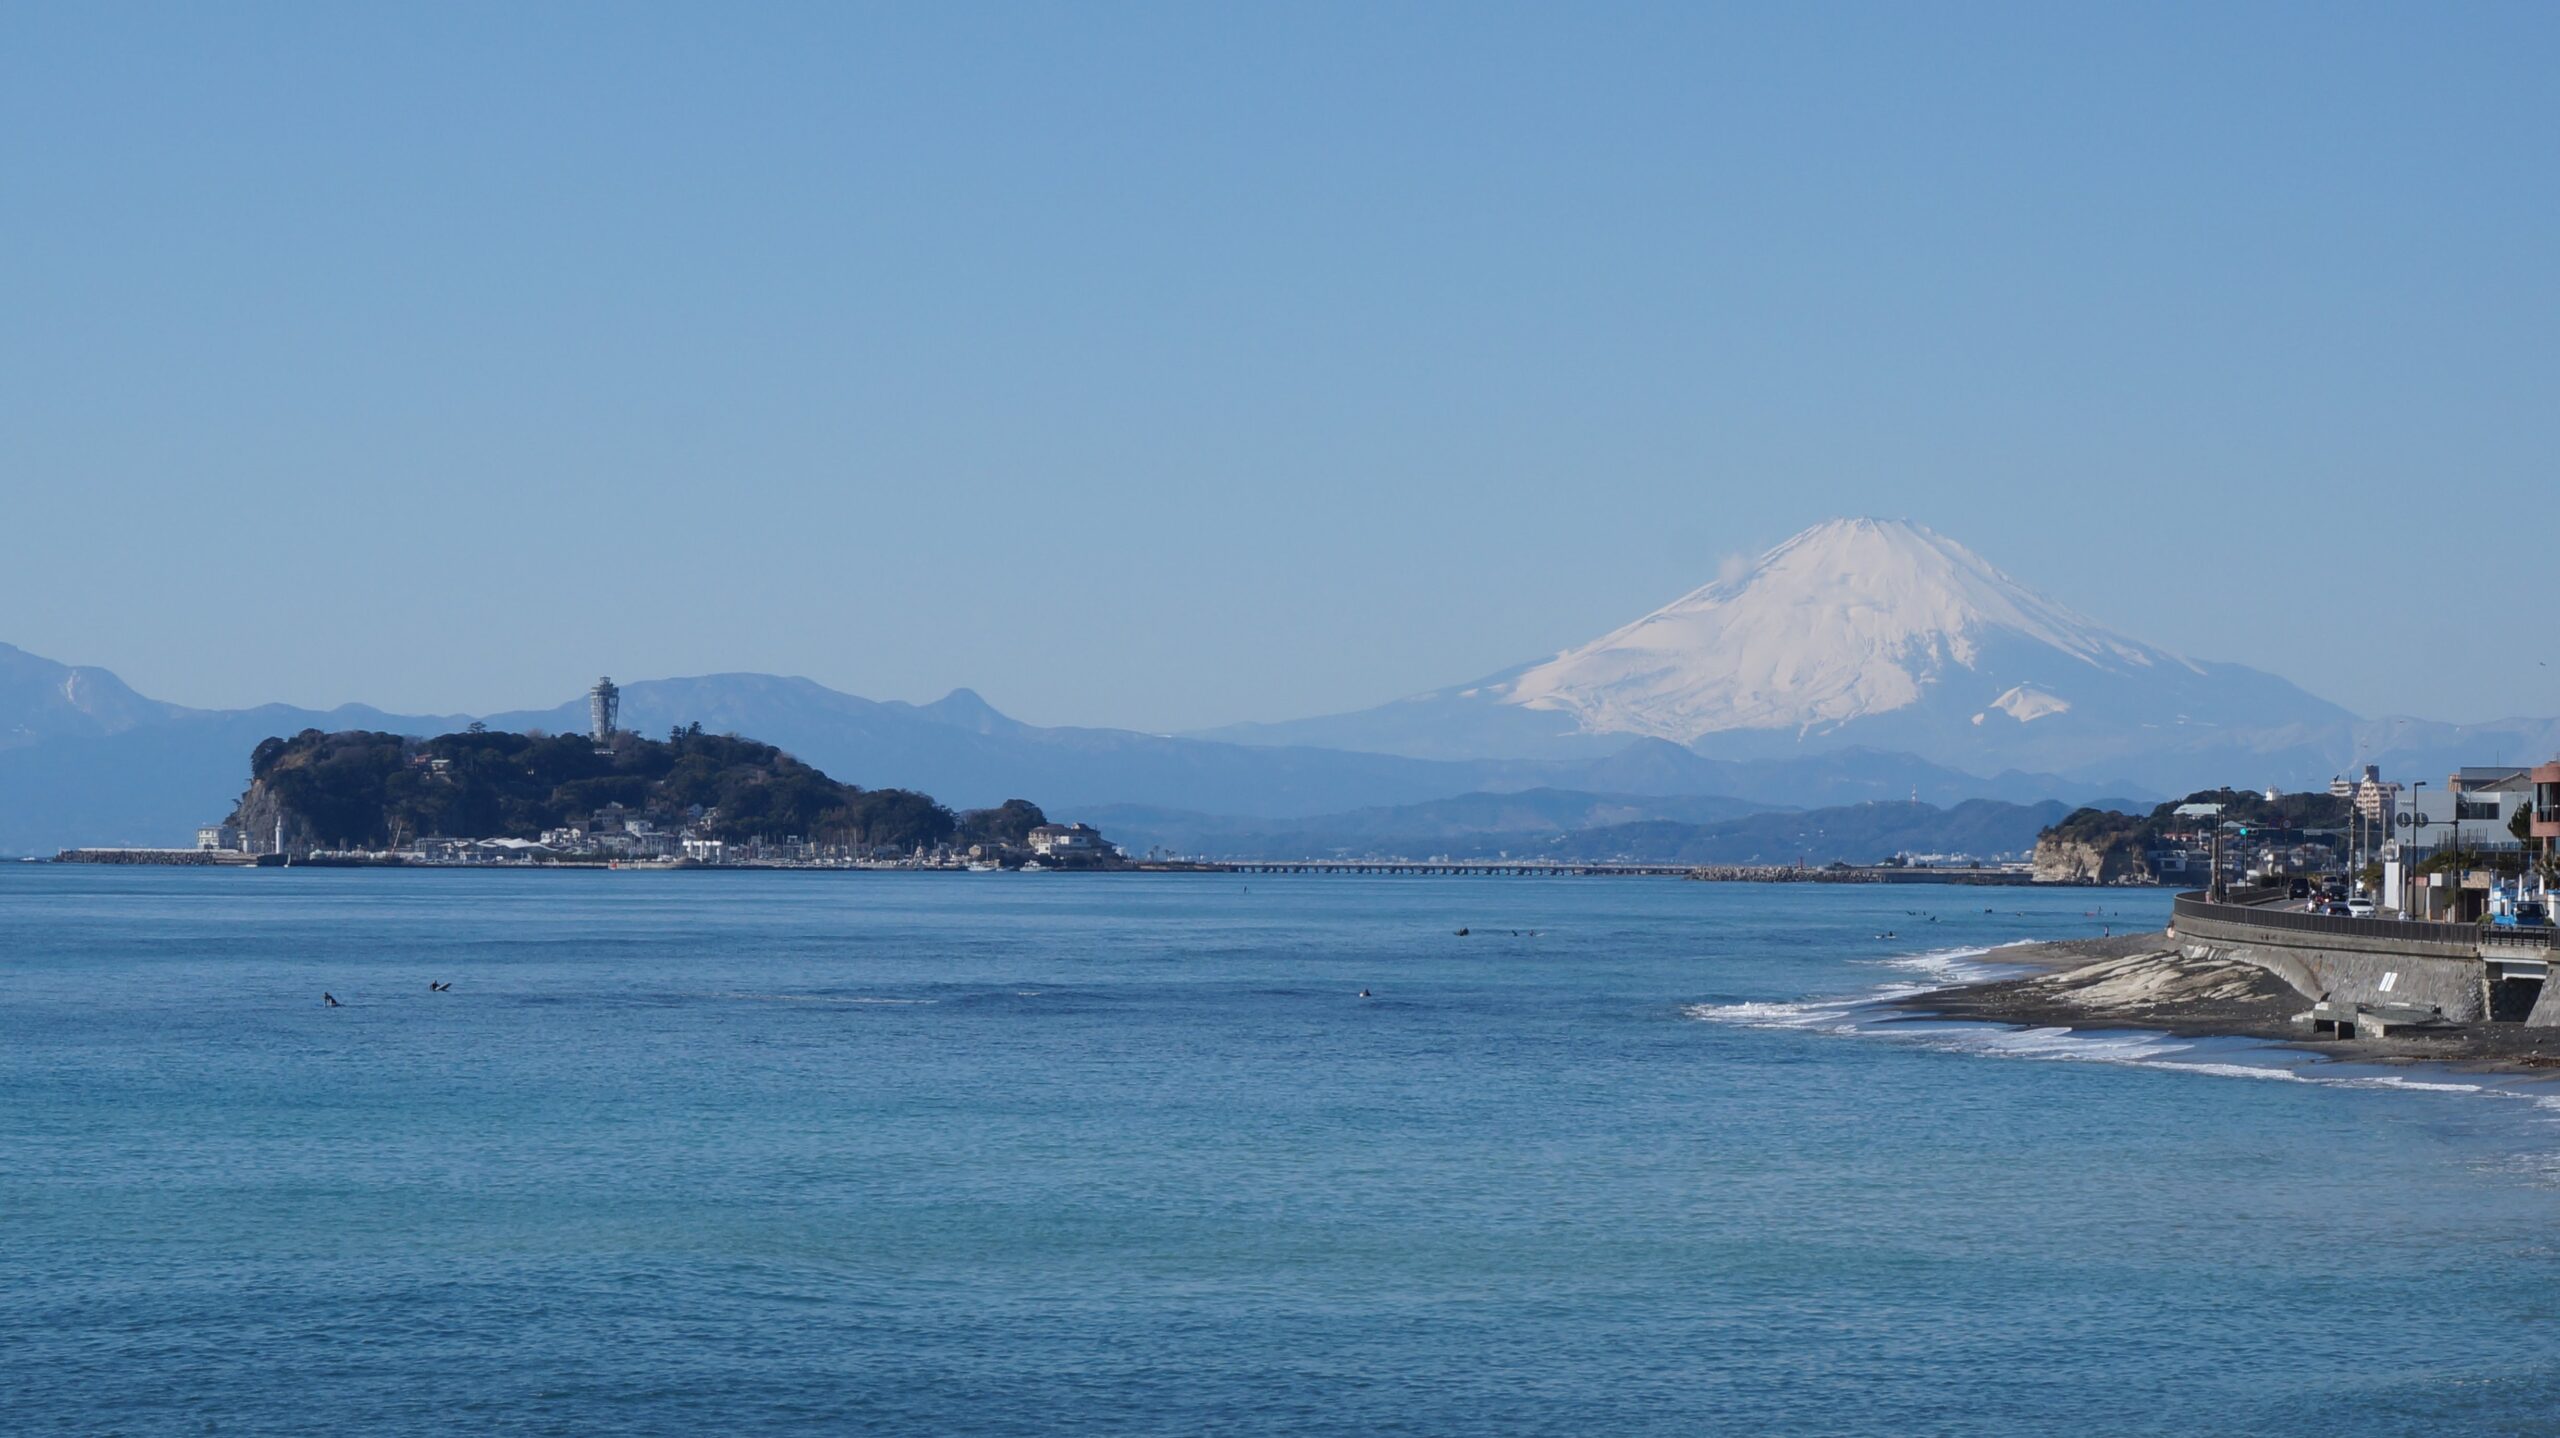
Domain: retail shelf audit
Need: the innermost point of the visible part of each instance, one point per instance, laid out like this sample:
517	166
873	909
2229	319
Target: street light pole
2461	861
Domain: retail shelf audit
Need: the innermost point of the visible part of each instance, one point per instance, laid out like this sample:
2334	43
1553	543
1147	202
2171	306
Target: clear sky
1166	366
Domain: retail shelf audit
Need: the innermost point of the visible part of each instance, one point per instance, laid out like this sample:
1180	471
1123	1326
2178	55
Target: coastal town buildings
2376	800
617	835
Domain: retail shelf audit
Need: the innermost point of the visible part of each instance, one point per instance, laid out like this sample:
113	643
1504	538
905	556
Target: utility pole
2417	825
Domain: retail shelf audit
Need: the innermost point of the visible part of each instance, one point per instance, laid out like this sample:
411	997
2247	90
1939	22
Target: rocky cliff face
256	816
2060	860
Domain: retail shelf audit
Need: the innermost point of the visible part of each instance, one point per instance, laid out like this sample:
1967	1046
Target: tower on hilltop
604	706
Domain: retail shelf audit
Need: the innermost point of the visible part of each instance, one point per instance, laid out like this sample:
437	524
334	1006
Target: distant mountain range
1863	660
85	760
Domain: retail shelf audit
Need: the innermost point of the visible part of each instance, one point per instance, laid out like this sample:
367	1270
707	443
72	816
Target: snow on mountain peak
1850	618
2026	703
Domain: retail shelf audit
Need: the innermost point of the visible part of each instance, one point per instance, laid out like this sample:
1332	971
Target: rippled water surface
1124	1154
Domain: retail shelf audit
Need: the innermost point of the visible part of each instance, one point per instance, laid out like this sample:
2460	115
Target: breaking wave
1938	968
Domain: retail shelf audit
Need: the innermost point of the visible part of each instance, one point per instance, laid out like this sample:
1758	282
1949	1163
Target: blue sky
1165	366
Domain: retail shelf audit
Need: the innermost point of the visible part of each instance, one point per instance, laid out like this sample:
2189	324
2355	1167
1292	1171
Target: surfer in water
329	999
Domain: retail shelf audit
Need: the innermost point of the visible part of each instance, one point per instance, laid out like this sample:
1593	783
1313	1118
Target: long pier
1513	868
1713	873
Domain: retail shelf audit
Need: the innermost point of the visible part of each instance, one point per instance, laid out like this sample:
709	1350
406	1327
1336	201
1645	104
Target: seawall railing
2418	931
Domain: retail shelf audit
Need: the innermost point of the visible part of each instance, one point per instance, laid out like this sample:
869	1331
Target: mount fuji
1877	634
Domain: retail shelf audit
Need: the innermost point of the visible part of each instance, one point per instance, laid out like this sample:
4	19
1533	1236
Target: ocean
1125	1154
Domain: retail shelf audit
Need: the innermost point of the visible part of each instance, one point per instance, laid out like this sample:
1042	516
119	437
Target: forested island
688	793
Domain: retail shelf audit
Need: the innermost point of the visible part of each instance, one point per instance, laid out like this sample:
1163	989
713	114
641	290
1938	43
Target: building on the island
604	710
706	851
1059	841
2198	811
2166	862
217	836
483	851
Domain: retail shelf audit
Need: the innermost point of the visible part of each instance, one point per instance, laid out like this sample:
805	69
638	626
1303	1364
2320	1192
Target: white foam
1834	1016
1937	961
2130	1048
2240	1071
1947	968
1943	968
2419	1085
2144	1049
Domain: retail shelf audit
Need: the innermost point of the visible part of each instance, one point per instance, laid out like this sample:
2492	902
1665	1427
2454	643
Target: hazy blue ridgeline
1126	1155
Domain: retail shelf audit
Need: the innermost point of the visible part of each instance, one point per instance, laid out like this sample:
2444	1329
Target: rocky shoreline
2143	981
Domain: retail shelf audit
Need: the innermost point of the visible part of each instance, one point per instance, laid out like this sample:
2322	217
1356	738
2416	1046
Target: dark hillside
361	789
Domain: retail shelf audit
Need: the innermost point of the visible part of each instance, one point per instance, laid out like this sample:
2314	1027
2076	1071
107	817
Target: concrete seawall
2348	968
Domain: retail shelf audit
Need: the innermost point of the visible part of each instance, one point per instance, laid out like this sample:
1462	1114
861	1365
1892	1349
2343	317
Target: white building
1067	840
2485	802
2377	799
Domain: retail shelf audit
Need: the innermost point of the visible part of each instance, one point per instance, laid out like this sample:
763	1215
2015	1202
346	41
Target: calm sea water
1127	1155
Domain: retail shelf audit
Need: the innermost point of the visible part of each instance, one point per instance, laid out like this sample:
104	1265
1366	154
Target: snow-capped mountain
1848	619
1877	633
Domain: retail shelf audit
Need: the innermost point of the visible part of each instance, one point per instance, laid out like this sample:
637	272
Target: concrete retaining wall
2546	1009
2349	968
